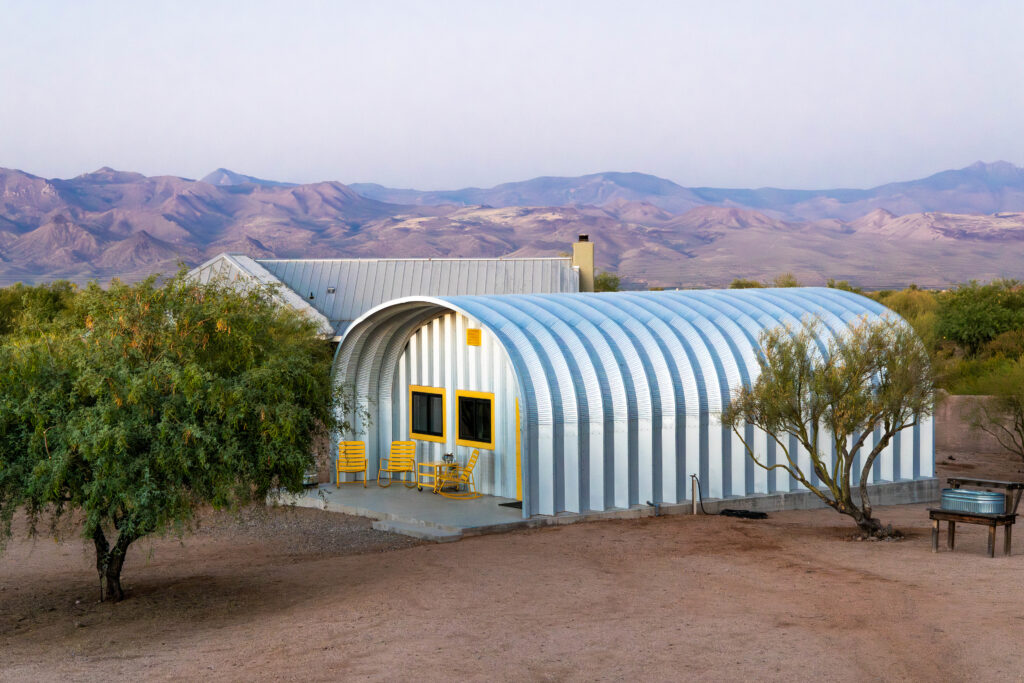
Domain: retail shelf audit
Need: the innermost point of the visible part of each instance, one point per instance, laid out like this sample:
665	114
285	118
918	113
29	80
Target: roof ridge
410	258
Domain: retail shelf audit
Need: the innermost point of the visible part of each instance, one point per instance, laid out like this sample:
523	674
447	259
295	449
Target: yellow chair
401	459
351	460
457	478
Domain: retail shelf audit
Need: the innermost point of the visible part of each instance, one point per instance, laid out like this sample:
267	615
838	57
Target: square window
475	419
426	407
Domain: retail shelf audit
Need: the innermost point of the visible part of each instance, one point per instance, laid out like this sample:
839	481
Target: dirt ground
308	595
1001	466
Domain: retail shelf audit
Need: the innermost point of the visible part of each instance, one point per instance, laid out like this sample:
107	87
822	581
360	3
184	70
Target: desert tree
147	402
1001	413
844	285
607	282
872	378
785	280
974	314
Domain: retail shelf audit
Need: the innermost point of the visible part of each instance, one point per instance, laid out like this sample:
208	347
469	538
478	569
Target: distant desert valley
950	227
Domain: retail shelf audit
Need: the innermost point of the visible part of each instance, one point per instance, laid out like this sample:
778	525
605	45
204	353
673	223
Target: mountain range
979	188
949	227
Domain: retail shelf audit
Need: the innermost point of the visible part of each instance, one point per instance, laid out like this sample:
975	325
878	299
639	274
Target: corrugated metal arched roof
693	346
647	361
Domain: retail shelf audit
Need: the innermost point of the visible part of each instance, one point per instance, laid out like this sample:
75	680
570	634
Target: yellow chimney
583	258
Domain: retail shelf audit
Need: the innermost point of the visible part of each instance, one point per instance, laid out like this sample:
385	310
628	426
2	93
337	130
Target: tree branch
793	470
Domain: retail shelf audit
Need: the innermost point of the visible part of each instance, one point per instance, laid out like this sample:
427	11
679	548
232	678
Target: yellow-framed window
426	413
474	419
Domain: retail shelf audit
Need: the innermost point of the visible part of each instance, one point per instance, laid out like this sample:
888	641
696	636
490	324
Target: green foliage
909	303
975	332
917	307
970	376
1009	344
741	283
27	304
876	377
844	285
974	314
145	402
786	280
783	280
1001	411
606	282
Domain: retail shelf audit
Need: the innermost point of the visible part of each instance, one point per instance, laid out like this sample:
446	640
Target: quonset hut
586	401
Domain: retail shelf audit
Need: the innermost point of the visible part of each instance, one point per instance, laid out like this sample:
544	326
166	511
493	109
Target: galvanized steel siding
437	356
620	393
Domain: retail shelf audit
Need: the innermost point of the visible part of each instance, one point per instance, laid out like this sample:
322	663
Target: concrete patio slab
422	514
426	533
407	507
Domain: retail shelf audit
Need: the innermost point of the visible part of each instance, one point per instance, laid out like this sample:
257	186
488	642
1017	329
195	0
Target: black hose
700	496
728	512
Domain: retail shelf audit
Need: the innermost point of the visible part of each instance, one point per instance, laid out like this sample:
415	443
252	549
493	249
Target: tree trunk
109	563
865	521
868	524
102	551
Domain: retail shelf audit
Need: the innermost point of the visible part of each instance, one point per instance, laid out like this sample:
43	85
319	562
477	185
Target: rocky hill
112	223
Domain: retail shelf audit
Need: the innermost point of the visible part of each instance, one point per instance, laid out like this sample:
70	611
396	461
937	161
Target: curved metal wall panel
620	394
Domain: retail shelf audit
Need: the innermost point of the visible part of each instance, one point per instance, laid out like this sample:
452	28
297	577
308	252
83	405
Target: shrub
974	314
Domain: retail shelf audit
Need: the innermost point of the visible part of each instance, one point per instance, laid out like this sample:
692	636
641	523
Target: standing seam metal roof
361	284
235	266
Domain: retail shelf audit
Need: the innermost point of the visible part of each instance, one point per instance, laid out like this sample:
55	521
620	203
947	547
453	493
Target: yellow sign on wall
473	337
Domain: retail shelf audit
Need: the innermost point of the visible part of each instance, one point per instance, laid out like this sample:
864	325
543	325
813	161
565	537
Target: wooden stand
991	521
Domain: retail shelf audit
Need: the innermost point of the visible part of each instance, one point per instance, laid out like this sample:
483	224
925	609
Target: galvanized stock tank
985	502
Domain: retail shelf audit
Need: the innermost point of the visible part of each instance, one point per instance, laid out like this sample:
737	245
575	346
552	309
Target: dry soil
307	595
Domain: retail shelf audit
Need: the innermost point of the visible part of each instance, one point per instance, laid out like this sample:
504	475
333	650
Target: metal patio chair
351	460
457	478
401	459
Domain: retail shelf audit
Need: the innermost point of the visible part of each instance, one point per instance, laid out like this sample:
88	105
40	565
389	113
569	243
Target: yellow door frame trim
444	414
460	393
519	456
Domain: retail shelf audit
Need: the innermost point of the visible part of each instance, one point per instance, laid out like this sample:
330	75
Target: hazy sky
449	94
